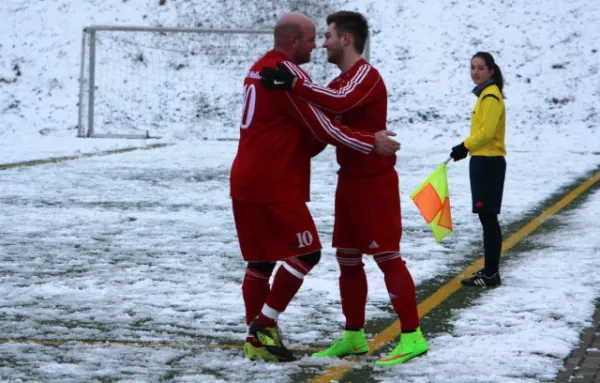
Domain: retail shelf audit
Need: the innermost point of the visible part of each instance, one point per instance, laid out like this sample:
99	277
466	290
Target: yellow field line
71	158
335	373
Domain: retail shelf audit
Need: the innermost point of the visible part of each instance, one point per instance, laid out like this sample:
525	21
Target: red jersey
358	98
279	133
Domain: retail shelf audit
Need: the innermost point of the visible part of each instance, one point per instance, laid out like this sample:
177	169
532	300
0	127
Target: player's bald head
290	25
295	37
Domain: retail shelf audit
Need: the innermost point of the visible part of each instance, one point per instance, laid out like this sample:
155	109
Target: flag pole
448	160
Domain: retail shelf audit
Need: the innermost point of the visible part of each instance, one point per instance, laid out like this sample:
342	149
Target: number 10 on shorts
304	239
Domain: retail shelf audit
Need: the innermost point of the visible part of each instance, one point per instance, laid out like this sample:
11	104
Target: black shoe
481	280
270	338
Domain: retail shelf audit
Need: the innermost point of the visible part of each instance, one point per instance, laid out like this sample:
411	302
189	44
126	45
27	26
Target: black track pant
492	242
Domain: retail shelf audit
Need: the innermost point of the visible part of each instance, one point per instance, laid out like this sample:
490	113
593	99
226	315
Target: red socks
401	288
267	303
255	289
353	289
287	282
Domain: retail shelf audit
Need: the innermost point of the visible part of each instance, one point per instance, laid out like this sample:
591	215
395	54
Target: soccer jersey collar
353	69
480	88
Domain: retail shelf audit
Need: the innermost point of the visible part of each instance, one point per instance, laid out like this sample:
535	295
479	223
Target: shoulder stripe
490	95
356	80
294	69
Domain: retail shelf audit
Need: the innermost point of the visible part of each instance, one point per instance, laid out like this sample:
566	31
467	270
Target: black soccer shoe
479	279
270	338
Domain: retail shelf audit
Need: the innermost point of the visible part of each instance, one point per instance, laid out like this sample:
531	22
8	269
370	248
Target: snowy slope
548	51
40	57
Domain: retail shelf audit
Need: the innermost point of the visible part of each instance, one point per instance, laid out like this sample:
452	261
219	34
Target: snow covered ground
523	330
141	246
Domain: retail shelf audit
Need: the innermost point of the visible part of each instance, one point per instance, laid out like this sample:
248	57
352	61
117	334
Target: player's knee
488	219
388	261
265	267
350	262
312	258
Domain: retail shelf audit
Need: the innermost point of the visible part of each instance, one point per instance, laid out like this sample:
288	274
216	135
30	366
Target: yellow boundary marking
77	157
335	373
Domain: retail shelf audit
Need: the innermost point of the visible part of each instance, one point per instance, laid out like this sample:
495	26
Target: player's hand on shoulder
280	78
384	145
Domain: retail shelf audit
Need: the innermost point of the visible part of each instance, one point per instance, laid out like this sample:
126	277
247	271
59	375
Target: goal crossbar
111	116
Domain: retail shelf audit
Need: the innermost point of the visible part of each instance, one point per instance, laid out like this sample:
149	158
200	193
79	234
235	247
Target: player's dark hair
491	64
354	23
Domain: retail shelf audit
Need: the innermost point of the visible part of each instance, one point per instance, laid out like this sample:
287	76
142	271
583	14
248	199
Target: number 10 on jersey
249	105
304	239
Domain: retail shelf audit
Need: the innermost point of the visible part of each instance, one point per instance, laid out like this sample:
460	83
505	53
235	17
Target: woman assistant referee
487	167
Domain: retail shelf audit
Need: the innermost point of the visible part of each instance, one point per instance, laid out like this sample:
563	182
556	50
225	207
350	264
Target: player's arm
332	132
287	76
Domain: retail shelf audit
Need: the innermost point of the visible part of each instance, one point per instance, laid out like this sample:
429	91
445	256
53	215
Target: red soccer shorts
367	214
272	232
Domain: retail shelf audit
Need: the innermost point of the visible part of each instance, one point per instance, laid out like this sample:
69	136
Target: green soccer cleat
258	353
352	343
411	345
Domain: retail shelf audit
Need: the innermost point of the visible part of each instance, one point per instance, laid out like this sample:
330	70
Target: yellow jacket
488	123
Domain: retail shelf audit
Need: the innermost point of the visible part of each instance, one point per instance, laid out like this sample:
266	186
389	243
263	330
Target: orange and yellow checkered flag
433	201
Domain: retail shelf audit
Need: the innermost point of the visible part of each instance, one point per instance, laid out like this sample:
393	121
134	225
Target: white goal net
140	82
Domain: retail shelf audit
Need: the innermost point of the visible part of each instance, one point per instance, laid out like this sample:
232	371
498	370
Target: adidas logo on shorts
373	245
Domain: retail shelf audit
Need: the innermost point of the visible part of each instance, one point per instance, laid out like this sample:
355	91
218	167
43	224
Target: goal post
143	82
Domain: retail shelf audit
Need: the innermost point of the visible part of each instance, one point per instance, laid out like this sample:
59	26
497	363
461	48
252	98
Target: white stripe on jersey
331	129
318	114
338	134
295	70
359	76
